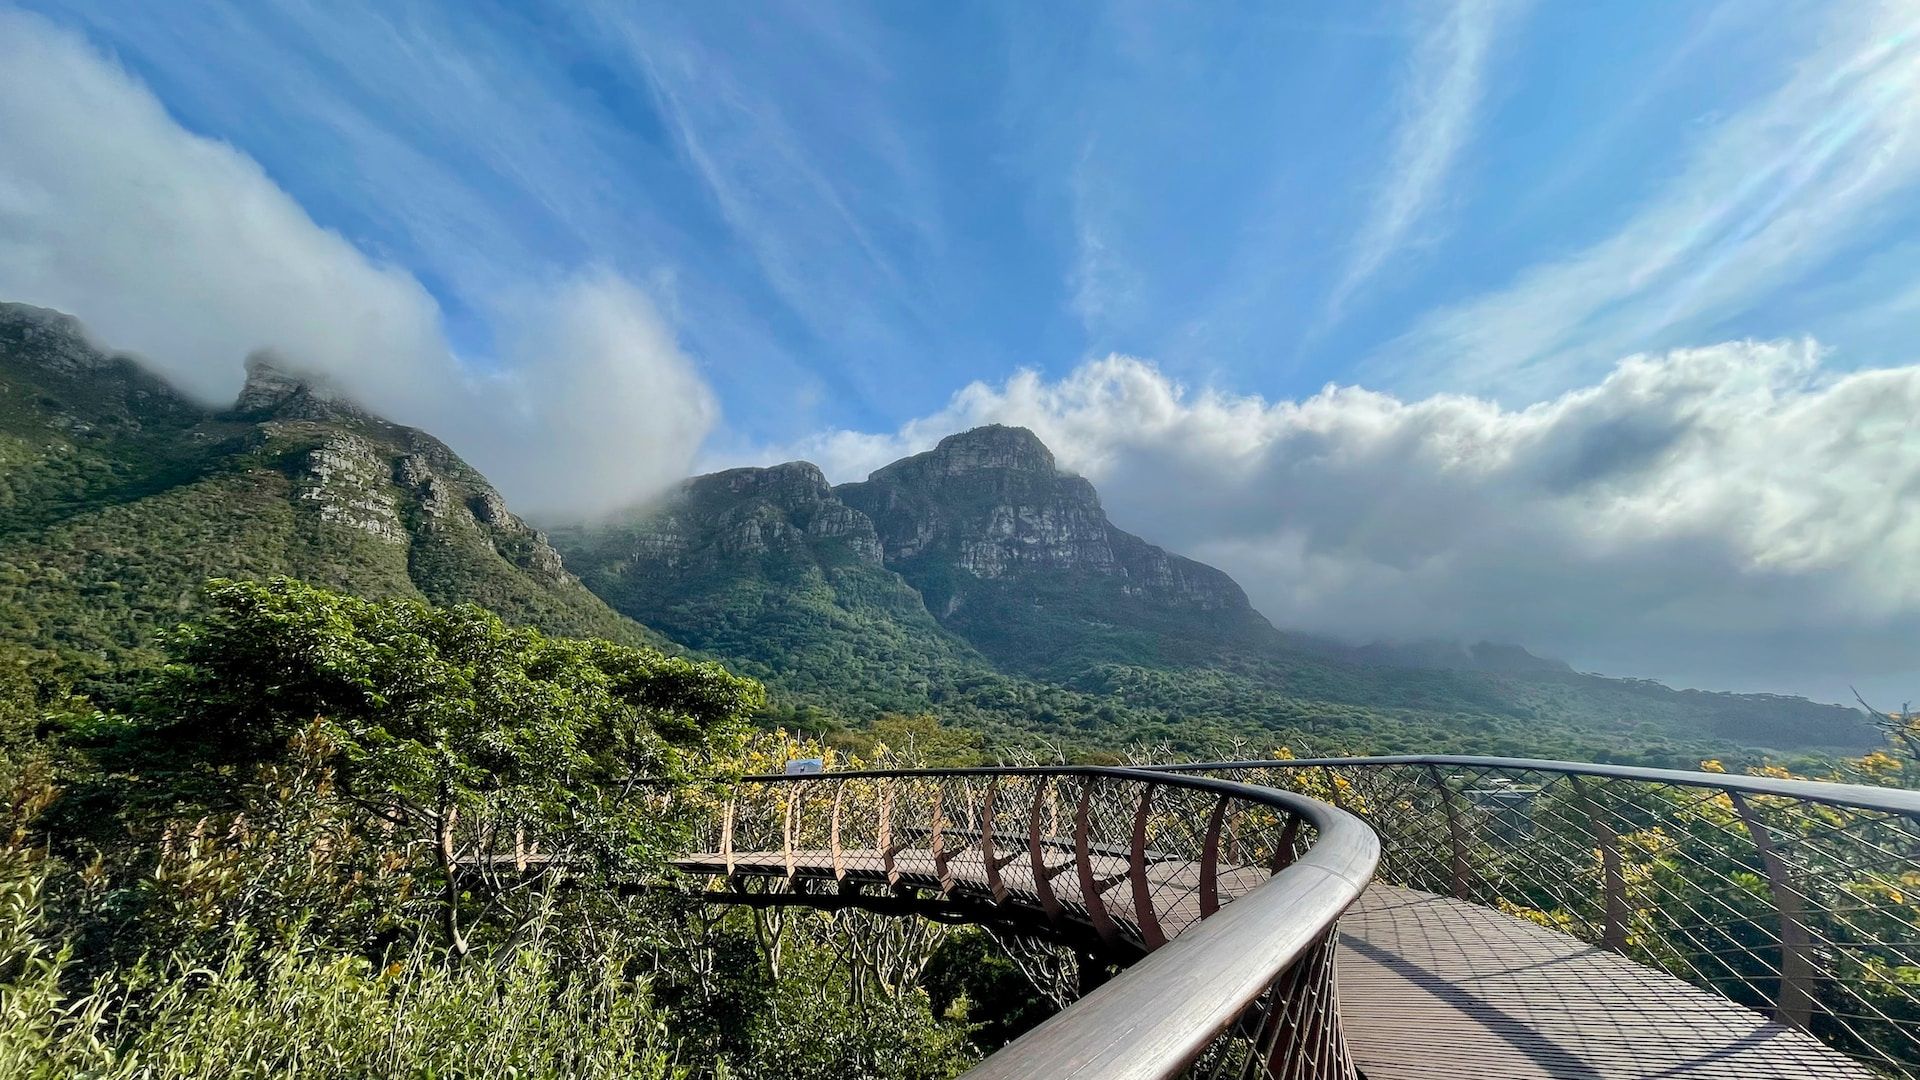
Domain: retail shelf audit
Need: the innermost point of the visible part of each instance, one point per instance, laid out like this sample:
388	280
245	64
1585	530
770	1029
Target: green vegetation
119	497
373	838
841	642
251	826
978	584
821	625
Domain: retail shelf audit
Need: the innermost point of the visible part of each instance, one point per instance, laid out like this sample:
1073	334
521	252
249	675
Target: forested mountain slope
767	568
980	581
119	497
976	581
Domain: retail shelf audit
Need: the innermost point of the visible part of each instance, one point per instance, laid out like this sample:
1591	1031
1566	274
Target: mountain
976	581
1020	559
769	569
119	496
980	581
1457	656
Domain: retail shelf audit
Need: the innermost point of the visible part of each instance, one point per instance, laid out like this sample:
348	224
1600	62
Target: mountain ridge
1019	575
121	496
976	581
1022	560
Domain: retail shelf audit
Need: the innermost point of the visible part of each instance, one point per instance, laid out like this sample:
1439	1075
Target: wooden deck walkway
1431	987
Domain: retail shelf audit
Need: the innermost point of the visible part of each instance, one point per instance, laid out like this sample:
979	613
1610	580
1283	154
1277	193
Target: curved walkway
1429	987
1434	987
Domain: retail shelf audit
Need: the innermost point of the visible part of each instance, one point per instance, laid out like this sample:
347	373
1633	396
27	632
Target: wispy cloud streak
1439	104
1765	198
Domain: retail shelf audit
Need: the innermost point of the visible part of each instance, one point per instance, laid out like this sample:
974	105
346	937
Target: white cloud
182	249
1767	194
606	410
1444	85
1735	515
1104	281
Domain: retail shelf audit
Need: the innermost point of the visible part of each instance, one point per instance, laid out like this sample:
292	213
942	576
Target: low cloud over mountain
1732	515
182	249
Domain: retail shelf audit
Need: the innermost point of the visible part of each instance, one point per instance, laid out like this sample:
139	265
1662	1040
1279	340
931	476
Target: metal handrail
1798	898
1856	796
1157	1018
1268	951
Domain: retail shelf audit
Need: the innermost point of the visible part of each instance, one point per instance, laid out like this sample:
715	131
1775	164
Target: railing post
1613	935
1090	884
988	863
1793	1004
1210	860
1144	915
1456	836
1283	847
833	831
886	832
1036	851
937	838
787	825
726	836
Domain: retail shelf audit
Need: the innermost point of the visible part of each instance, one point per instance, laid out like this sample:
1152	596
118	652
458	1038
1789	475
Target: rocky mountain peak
991	504
45	320
711	523
992	448
287	393
52	339
789	485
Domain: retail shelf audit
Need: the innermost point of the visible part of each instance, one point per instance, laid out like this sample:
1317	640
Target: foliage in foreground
349	838
307	1011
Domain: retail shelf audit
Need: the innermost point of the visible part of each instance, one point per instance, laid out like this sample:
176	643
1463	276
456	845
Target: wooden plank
1434	987
1431	986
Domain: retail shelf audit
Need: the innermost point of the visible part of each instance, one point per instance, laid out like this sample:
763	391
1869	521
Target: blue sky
850	211
1587	326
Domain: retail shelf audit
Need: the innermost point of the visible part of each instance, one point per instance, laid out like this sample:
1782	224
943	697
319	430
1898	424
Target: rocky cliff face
786	511
396	484
53	341
119	497
992	503
982	537
82	391
766	566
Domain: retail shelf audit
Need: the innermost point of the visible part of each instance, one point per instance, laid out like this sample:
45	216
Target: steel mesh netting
1104	848
1139	861
1291	1032
1807	911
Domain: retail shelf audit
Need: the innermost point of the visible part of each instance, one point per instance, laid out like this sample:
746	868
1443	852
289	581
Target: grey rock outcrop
748	513
346	477
273	390
55	340
992	502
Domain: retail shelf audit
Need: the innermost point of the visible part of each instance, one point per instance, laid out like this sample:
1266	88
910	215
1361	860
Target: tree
500	750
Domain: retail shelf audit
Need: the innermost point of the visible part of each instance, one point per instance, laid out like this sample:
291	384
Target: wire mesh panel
1120	862
1797	899
1291	1032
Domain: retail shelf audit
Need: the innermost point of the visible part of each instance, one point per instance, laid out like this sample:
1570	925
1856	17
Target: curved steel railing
1798	898
1230	890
